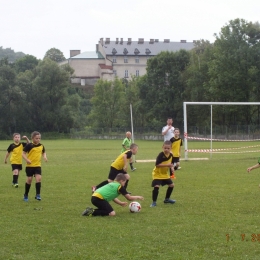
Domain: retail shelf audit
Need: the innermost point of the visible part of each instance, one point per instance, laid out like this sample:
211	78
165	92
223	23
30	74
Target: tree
162	93
235	70
9	99
107	103
28	62
196	79
55	55
46	90
10	54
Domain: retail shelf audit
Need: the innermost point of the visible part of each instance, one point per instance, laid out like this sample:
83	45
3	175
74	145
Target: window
126	73
137	73
114	59
114	71
136	59
125	60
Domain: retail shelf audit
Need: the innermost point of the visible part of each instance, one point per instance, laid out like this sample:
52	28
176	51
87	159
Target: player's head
169	121
36	137
167	146
16	137
121	178
176	132
134	148
128	134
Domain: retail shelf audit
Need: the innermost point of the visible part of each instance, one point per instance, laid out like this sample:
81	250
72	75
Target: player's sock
175	167
131	166
155	193
38	187
15	179
126	183
169	192
102	184
27	188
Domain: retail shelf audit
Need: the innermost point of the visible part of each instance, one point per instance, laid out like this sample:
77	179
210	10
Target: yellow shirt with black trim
162	173
176	144
34	154
16	151
119	162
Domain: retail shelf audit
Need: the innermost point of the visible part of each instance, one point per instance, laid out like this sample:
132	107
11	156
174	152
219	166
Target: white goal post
207	103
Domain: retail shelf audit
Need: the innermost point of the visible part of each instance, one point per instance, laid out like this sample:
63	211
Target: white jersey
169	134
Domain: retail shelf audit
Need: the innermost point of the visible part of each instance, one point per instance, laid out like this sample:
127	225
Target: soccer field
216	214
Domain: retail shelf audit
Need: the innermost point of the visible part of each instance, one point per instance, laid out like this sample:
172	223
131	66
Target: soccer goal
211	104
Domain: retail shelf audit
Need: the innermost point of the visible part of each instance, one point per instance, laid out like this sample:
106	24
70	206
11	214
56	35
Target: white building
118	58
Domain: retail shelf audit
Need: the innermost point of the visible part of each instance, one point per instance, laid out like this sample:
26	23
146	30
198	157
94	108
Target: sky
35	26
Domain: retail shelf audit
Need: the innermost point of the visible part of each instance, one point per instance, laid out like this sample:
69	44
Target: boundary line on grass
190	159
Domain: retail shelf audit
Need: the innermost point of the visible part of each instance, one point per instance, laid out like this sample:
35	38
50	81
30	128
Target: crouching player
102	196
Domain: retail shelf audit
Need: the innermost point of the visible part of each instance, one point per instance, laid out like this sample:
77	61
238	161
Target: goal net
186	136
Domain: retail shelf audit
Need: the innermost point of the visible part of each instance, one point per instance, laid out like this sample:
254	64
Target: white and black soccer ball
134	207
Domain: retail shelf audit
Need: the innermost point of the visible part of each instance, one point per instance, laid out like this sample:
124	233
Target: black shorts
113	173
17	167
101	204
176	159
31	171
162	182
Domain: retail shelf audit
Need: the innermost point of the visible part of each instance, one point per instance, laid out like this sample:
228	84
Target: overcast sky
35	26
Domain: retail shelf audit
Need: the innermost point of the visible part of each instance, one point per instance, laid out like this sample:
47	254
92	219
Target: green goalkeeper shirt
126	144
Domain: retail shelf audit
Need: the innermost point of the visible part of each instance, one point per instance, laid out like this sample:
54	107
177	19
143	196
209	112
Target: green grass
214	197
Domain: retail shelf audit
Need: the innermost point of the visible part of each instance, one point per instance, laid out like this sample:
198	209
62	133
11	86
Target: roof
88	55
125	48
104	66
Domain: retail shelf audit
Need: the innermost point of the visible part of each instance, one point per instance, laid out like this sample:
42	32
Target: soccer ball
134	207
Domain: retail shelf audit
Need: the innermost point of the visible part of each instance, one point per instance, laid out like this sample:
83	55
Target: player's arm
123	191
44	155
180	148
131	198
27	139
25	157
125	161
119	202
6	156
253	167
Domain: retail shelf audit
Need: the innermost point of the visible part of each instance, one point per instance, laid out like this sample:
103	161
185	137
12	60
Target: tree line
37	94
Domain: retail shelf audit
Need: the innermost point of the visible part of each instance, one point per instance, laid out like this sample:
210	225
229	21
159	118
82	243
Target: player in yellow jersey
176	150
32	154
119	166
16	150
160	174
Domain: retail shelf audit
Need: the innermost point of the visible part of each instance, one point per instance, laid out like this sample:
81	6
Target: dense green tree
10	98
162	93
28	62
234	70
196	79
132	96
107	103
10	54
47	102
55	55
